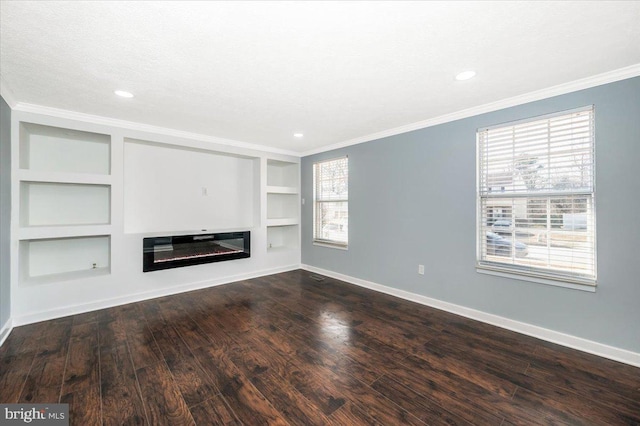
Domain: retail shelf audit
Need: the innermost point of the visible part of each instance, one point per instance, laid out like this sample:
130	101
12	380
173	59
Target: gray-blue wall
412	200
5	211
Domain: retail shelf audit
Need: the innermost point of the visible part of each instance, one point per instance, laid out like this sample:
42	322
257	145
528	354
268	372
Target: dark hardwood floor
286	349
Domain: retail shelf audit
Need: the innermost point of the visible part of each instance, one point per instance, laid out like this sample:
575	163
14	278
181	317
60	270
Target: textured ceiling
259	71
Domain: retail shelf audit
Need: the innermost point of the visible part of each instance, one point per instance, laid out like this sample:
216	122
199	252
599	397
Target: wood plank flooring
289	350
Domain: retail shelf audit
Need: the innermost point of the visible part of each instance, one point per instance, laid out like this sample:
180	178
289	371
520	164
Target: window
331	202
536	214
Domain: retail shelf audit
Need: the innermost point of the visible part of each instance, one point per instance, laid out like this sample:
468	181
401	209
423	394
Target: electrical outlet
205	191
421	269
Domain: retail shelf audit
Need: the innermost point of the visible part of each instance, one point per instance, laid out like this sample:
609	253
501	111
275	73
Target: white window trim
318	241
507	271
498	272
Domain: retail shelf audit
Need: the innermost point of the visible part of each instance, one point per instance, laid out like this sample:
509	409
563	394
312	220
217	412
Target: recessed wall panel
52	204
168	188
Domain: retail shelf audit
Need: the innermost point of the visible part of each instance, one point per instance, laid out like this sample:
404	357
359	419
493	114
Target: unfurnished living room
319	213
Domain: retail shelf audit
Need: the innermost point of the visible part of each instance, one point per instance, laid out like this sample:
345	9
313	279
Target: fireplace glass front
185	250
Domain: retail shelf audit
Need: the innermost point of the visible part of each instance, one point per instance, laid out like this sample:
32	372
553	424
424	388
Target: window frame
325	242
536	274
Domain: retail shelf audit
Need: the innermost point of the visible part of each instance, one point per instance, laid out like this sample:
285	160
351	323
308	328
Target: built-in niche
283	233
58	150
60	259
170	188
55	204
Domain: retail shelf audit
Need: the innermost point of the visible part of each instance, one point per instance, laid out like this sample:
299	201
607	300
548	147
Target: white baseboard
6	330
32	317
589	346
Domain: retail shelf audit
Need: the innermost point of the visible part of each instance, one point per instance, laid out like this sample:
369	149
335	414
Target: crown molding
561	89
7	94
131	125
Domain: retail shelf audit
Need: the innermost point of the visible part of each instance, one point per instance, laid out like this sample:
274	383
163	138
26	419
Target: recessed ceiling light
298	135
465	75
124	93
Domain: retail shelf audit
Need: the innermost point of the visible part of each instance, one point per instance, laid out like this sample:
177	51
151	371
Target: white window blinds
536	197
331	202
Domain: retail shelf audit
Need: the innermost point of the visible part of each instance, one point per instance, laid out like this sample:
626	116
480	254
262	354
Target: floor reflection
334	325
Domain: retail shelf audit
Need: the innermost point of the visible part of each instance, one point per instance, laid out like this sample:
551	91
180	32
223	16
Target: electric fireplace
186	250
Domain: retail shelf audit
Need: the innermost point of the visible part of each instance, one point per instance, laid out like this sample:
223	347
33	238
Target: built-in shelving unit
283	225
85	194
65	203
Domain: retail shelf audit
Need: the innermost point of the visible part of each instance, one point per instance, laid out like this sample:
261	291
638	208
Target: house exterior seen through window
331	202
536	197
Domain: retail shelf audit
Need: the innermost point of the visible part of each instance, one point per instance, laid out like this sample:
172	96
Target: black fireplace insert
186	250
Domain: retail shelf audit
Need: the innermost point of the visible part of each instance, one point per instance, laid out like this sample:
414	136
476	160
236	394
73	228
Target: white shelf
282	190
282	205
59	259
63	177
44	232
282	173
65	204
280	249
54	149
67	276
282	238
283	210
51	204
284	221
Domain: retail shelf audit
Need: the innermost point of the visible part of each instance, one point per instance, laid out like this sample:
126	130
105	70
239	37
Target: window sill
521	277
329	245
